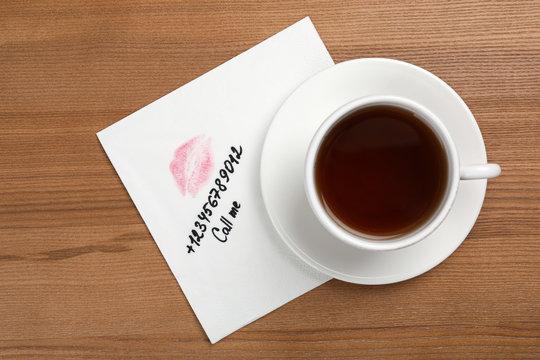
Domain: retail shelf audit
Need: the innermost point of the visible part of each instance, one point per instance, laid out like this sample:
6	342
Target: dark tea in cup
381	171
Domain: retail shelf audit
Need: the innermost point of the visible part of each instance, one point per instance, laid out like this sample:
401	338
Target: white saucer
282	166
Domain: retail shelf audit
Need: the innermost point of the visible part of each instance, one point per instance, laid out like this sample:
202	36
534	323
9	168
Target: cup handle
482	171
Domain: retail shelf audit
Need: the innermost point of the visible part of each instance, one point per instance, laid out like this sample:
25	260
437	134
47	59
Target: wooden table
81	277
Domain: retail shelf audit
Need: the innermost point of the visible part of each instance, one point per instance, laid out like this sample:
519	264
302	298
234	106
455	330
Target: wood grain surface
81	277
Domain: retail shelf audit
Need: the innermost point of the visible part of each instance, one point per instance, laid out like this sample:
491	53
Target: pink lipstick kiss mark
192	164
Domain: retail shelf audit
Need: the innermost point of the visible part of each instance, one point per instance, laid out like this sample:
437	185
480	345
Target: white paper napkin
190	162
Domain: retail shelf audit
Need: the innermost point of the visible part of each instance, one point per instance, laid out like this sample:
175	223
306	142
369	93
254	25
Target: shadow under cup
381	170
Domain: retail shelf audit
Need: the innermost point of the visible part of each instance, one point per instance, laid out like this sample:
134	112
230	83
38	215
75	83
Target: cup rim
339	232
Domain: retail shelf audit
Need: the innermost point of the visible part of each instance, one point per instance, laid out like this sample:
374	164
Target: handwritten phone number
201	225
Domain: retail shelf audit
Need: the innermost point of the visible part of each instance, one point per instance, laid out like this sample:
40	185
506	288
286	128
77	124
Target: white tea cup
456	173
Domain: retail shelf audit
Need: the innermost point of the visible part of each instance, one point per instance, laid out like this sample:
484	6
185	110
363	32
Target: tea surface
381	171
